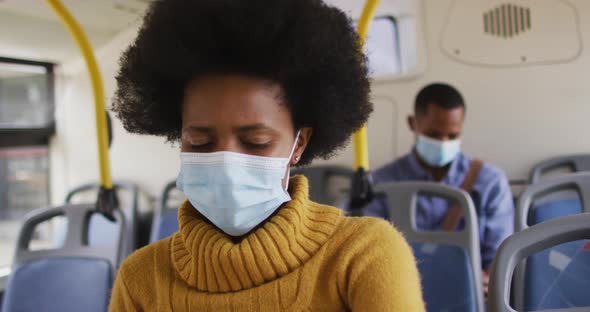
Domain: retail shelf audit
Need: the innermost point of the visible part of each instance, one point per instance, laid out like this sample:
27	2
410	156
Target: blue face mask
236	192
437	153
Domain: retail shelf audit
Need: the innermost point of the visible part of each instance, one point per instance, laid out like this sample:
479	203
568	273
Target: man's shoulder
490	174
488	170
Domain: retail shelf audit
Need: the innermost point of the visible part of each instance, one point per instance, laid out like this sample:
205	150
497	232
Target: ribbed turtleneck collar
208	260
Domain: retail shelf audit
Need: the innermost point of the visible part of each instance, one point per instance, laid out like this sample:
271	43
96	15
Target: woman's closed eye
202	146
256	146
257	141
200	142
210	145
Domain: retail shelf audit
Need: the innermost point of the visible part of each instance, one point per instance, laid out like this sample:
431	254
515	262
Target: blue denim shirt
491	195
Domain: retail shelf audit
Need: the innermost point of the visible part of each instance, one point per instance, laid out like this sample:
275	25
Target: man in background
439	113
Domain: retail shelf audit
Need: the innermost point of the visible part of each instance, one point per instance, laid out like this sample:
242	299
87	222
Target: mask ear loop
289	161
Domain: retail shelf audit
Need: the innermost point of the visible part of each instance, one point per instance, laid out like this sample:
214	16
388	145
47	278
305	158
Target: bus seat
564	280
101	230
574	163
166	217
75	277
328	185
558	244
444	258
538	281
445	264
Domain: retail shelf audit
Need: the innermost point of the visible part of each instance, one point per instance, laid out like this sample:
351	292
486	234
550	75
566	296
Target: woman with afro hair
249	88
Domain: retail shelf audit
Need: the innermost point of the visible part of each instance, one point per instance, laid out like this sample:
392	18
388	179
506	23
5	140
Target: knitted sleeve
382	275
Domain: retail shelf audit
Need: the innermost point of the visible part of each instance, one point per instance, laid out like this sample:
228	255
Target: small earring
296	158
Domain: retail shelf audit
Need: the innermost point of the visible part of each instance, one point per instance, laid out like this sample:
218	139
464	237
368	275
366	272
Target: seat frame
577	162
320	173
580	182
405	194
76	243
131	213
532	240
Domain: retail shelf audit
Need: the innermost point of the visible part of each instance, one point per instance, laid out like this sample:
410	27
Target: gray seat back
165	221
532	240
576	163
102	231
580	182
458	254
327	184
528	209
75	277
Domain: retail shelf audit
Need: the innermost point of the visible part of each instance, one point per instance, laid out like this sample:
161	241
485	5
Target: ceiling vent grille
507	21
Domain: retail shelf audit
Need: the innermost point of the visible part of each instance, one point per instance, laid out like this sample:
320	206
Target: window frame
31	136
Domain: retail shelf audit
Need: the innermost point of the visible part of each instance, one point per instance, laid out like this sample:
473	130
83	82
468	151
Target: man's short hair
440	94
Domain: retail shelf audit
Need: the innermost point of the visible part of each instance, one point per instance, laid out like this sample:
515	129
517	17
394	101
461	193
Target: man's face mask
437	153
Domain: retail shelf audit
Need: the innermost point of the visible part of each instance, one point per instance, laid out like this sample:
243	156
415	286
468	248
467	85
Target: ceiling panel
30	30
102	15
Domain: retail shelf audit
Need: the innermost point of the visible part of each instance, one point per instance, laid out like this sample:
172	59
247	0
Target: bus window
26	124
24	187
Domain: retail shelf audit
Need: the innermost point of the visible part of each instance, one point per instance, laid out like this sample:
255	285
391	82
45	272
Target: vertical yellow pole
97	86
359	139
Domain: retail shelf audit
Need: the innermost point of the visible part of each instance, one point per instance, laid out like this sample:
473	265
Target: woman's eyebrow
253	127
193	129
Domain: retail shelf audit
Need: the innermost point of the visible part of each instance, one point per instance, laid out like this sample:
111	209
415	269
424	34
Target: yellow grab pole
359	139
97	86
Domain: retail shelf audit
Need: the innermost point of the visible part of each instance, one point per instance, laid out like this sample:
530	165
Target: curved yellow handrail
97	86
359	139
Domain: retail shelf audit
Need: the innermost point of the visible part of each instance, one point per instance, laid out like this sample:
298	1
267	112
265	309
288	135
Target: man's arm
377	208
499	218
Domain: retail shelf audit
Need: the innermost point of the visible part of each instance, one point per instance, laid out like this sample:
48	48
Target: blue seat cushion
59	284
167	224
447	279
554	209
101	232
558	277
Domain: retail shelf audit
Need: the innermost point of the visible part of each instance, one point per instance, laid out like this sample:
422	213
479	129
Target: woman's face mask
234	191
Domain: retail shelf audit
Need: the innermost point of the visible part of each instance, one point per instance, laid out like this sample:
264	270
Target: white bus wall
516	116
148	161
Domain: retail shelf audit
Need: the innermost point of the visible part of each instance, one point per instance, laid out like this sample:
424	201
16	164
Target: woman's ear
302	141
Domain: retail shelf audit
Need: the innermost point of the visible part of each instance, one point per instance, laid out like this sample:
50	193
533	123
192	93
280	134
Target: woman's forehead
233	100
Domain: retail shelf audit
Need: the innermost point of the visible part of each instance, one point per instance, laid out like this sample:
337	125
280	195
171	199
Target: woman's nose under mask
234	191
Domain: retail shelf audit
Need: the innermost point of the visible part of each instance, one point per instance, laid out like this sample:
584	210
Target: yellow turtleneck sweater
307	257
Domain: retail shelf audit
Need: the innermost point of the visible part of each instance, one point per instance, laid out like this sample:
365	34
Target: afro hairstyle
308	48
